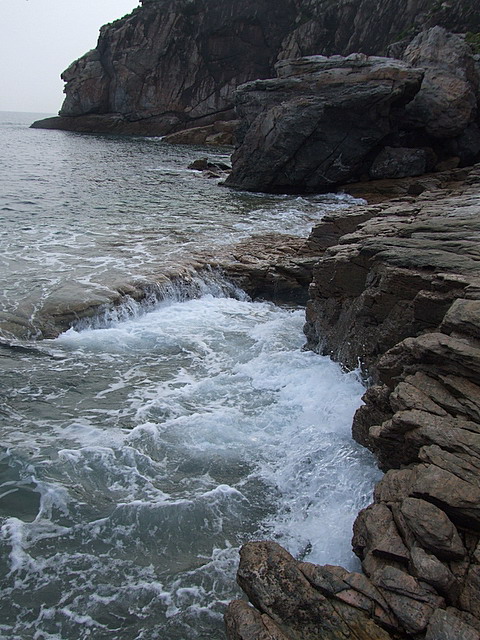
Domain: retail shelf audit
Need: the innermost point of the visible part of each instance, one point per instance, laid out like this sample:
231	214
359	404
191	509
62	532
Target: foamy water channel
140	450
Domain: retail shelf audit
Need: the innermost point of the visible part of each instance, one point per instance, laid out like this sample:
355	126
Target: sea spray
175	436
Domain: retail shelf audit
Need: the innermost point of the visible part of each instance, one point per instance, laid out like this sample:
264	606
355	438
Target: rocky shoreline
398	289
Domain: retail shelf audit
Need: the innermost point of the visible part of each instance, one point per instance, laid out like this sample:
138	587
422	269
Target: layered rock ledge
397	287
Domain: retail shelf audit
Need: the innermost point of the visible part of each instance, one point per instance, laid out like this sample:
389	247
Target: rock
427	568
219	133
243	622
433	529
396	276
375	532
463	317
312	128
276	585
204	164
174	64
410	601
459	499
445	625
470	596
399	163
419	542
446	103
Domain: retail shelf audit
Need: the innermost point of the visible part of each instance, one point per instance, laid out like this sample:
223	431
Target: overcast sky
40	38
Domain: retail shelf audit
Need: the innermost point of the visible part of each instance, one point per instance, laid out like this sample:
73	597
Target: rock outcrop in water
398	286
175	64
326	121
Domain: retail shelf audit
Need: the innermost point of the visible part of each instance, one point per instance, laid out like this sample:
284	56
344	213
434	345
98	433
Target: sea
142	446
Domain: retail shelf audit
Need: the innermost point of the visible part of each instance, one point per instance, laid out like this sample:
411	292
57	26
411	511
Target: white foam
177	434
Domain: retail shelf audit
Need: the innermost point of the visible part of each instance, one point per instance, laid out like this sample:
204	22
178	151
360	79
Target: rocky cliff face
399	283
325	121
174	64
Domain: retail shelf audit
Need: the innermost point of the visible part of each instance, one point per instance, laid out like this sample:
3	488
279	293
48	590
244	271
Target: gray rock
399	162
447	103
174	64
313	127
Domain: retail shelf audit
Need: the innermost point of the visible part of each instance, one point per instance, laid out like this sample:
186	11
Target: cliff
175	64
397	286
324	121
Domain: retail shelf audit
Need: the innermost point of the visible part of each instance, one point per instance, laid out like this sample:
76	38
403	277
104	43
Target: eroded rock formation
326	121
399	286
175	64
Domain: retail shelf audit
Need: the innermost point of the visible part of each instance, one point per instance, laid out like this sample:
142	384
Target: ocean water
142	447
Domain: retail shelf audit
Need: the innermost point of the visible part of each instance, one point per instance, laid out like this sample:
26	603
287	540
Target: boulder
447	103
399	162
313	127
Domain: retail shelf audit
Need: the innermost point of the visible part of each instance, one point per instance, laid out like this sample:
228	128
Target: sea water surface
140	449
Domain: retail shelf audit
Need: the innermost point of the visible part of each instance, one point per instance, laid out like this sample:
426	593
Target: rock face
316	124
174	64
326	121
398	284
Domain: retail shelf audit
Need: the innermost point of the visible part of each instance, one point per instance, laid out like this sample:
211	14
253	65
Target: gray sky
39	39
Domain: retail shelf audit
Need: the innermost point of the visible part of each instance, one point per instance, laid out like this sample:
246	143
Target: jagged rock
395	485
427	568
459	499
463	317
470	597
420	541
411	602
174	64
460	464
375	532
276	585
243	622
370	291
313	127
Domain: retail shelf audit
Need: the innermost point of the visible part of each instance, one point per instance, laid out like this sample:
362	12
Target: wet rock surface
398	286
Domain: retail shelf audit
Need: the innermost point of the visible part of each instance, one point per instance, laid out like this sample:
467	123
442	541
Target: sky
40	38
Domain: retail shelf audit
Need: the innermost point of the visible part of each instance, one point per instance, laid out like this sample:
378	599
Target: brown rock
277	587
433	529
375	532
470	596
243	622
411	602
428	568
445	625
459	499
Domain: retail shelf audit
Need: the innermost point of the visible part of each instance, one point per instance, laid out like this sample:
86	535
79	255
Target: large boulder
314	126
447	102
